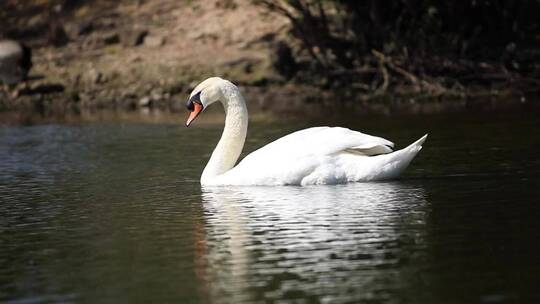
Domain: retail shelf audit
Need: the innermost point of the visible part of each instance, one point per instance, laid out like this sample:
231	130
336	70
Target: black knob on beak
190	106
195	98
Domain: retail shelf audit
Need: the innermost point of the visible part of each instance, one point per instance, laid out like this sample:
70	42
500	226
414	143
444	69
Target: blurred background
125	55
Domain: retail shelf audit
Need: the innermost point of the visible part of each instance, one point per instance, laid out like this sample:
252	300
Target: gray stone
15	62
154	41
156	96
145	102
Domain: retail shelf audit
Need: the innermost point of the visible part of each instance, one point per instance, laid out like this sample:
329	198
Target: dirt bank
135	54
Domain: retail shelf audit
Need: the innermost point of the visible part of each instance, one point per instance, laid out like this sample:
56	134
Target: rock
145	102
15	62
154	41
156	95
111	38
133	38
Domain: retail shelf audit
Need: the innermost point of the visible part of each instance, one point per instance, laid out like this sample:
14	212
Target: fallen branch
384	72
387	61
418	84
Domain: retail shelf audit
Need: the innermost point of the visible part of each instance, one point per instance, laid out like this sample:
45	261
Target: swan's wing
321	156
318	141
291	158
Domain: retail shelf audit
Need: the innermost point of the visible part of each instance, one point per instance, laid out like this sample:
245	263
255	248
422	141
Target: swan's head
204	94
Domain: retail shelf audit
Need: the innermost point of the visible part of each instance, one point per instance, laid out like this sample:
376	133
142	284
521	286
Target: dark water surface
114	213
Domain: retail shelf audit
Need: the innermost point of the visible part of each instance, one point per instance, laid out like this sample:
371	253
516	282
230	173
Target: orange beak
196	111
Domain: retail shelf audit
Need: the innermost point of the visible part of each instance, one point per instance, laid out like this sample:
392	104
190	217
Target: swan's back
320	141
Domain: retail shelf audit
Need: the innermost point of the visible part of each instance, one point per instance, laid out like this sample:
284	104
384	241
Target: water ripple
321	238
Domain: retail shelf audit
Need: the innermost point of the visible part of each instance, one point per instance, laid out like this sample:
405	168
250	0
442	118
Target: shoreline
260	111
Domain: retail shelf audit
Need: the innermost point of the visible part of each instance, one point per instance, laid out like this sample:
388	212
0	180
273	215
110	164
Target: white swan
320	155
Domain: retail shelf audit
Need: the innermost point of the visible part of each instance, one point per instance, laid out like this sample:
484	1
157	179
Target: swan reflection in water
342	241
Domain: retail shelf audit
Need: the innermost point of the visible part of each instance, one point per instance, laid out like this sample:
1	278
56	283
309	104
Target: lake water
114	213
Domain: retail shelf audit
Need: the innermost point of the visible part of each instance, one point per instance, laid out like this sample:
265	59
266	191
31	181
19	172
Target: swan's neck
232	140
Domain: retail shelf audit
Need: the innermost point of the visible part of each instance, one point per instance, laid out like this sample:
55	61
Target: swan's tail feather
419	142
415	147
393	164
